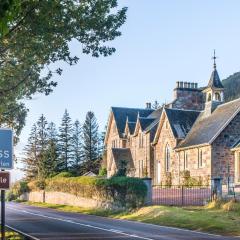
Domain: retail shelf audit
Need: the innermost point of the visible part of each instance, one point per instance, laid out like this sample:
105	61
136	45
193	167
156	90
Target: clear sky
162	42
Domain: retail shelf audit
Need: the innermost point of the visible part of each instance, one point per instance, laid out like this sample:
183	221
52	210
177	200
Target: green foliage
35	35
90	144
64	175
232	87
17	189
123	191
189	181
102	172
77	145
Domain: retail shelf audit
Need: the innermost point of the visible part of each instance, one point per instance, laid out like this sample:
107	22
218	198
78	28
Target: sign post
6	162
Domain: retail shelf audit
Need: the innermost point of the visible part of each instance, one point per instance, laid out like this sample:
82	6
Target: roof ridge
223	104
186	110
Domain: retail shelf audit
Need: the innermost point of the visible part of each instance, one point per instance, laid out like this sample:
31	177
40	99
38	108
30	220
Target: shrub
123	191
64	175
16	190
102	172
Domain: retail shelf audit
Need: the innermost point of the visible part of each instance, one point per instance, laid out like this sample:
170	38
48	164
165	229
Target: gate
180	195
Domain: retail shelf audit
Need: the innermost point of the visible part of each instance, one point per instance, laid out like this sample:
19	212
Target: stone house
197	132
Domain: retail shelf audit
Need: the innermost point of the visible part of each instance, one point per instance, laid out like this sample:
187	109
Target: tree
65	142
30	161
90	143
35	34
50	155
77	145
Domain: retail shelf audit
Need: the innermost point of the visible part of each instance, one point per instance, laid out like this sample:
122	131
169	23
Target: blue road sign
6	148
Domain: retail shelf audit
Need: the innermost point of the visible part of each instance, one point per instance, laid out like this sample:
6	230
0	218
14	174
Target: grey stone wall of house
222	157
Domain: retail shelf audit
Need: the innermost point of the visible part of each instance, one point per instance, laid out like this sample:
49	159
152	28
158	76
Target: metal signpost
6	162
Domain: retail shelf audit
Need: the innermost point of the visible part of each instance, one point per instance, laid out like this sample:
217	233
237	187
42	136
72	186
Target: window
209	97
200	160
141	168
217	96
185	164
167	158
140	141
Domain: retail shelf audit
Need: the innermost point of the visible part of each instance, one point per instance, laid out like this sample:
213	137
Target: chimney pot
148	105
185	84
196	85
181	84
189	85
177	84
192	85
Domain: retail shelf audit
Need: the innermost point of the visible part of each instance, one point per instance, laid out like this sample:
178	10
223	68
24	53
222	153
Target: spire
214	60
215	81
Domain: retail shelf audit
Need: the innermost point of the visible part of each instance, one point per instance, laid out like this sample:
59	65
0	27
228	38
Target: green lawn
218	218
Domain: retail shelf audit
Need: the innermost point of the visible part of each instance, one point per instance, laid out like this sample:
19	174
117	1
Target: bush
64	175
123	191
102	172
16	190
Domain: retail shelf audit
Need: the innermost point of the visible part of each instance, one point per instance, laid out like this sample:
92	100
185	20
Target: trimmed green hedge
123	191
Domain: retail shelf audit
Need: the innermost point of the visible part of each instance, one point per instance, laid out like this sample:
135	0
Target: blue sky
162	42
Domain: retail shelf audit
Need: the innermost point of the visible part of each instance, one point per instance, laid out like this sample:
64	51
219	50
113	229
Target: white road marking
23	233
81	224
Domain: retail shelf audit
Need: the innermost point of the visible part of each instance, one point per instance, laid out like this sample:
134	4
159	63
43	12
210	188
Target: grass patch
11	235
219	218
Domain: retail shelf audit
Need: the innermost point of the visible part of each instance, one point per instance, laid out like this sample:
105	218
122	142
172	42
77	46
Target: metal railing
180	195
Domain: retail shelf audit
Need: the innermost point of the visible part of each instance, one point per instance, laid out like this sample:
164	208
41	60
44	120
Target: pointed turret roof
215	81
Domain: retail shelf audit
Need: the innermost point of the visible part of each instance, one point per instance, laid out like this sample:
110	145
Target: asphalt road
42	223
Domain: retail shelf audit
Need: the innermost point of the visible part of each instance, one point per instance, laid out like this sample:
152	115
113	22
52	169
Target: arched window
167	158
217	96
209	97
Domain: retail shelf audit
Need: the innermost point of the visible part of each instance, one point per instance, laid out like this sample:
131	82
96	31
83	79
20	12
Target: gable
180	122
207	129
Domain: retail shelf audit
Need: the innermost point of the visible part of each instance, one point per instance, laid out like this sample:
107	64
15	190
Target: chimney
148	105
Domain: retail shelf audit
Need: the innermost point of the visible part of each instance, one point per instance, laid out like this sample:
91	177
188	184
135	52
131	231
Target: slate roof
120	154
181	121
206	129
131	126
145	122
215	81
156	114
121	114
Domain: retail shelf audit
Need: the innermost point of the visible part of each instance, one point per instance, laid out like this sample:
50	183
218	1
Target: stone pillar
148	182
216	188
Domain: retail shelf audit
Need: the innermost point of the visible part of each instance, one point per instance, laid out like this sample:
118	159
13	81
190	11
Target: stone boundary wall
65	199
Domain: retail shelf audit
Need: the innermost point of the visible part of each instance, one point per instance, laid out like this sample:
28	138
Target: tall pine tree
77	145
65	143
50	157
90	143
30	161
42	146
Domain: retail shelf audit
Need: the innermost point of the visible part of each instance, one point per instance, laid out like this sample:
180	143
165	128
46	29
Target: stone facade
191	134
223	159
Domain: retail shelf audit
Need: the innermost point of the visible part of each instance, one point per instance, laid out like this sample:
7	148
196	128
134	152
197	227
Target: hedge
122	191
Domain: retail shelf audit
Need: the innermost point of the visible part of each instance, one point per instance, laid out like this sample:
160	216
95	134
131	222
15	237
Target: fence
181	195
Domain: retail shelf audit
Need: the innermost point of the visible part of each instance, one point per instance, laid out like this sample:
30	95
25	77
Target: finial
214	59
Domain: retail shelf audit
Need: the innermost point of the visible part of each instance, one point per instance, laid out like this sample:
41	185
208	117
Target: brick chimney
187	95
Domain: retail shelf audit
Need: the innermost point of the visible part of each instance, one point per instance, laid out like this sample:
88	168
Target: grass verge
11	235
218	218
